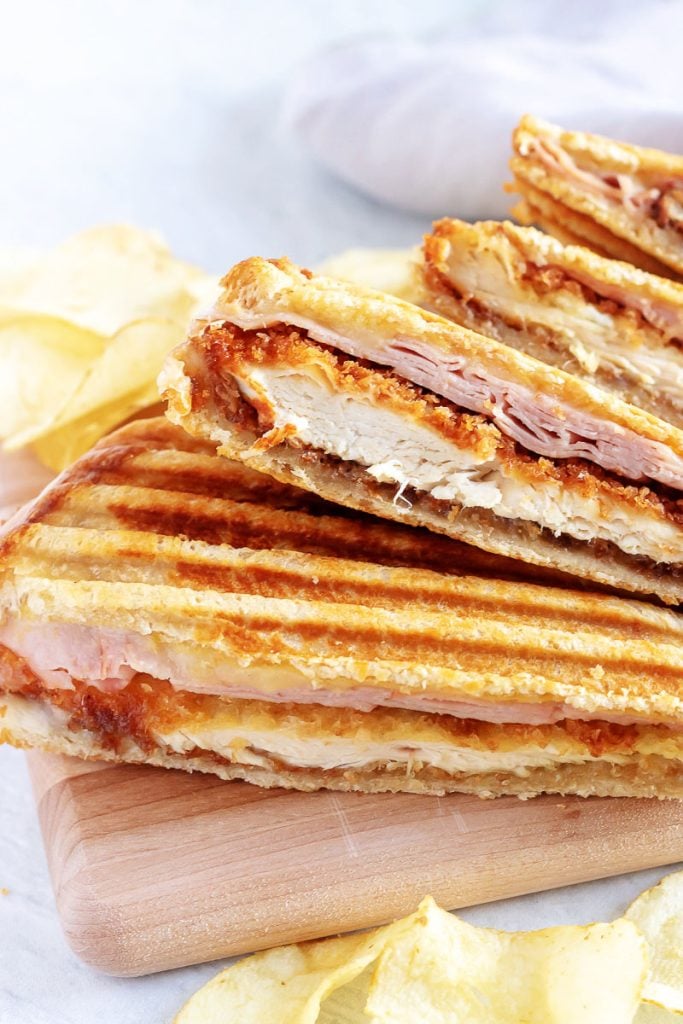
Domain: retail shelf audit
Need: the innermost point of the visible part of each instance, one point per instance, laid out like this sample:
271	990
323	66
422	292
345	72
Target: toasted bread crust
259	293
140	536
529	291
610	157
143	536
154	478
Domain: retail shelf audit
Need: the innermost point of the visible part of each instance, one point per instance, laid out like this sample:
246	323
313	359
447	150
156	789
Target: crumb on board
4	891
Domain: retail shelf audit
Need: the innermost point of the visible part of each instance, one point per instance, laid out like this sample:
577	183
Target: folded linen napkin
426	125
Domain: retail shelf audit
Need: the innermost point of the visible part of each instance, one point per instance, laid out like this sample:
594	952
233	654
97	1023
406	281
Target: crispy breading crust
611	157
192	405
259	293
643	776
228	349
149	708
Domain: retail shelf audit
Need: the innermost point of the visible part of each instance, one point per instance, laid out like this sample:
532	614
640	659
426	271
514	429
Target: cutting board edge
107	941
98	937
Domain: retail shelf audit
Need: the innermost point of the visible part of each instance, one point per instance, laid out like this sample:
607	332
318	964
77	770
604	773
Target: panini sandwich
602	320
160	604
379	405
622	201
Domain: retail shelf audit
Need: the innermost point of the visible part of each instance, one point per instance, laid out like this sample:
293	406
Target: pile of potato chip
84	330
83	333
432	968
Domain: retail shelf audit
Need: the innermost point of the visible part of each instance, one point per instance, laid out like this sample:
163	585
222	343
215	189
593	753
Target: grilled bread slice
623	201
161	604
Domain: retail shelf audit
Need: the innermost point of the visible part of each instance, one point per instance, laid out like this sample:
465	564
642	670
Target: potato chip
658	913
42	362
433	968
287	985
346	1005
61	447
388	270
133	355
104	278
648	1014
443	969
83	333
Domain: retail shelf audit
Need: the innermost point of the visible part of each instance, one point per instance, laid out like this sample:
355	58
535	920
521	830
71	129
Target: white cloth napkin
426	125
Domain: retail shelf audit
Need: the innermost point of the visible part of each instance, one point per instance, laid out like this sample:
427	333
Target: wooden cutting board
155	869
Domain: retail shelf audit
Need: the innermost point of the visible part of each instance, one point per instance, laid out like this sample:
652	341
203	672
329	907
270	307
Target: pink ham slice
622	189
542	425
640	202
60	654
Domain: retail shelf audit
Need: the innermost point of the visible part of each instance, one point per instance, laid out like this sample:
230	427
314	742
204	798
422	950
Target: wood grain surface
155	869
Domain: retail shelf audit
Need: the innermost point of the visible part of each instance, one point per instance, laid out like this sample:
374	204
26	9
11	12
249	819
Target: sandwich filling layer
66	657
148	714
308	397
561	304
653	197
544	409
411	455
25	723
631	194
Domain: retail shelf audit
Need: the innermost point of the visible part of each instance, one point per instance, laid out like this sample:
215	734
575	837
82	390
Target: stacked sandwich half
378	545
163	604
376	404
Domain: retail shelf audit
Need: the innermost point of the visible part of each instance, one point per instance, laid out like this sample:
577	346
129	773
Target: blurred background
167	113
240	127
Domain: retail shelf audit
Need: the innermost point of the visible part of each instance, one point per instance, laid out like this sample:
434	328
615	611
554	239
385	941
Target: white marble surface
164	112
